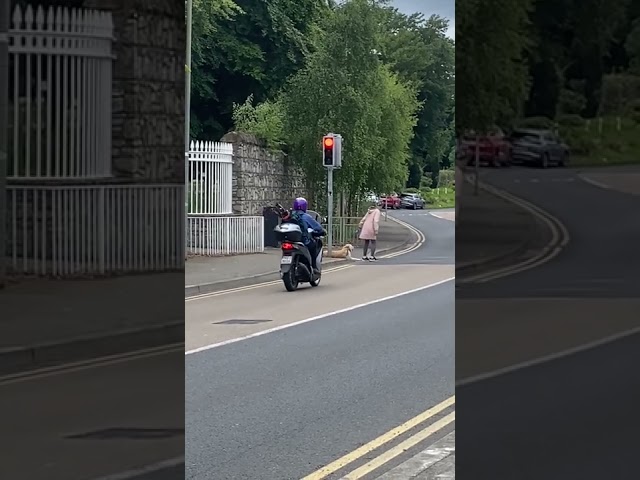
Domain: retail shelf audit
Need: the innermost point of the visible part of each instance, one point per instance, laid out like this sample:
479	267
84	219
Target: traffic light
328	146
332	150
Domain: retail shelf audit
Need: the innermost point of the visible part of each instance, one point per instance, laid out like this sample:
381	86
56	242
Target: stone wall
148	88
261	177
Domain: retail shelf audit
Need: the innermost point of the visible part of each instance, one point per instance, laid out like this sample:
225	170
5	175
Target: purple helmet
300	204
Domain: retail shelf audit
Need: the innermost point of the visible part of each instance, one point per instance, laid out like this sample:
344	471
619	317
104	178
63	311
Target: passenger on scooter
300	211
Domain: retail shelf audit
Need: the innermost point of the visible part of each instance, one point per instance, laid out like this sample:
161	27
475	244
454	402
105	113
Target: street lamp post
187	113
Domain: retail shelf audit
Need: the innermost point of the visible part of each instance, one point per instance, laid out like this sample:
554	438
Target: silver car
411	200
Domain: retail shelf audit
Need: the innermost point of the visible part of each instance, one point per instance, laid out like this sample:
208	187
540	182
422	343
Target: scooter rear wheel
291	280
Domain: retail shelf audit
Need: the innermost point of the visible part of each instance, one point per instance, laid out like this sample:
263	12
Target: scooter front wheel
316	282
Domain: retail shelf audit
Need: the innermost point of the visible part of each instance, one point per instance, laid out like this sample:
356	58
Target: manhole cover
237	321
128	433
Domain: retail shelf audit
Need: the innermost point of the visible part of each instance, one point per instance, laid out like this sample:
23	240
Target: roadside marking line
173	462
252	287
416	245
376	443
90	363
559	239
548	358
595	183
318	317
399	449
419	242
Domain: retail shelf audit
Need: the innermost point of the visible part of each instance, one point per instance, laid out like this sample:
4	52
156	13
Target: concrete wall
261	177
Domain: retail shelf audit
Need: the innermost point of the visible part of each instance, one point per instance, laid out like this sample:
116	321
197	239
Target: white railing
210	178
60	93
225	235
79	230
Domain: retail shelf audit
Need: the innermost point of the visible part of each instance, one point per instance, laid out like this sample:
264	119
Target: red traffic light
328	142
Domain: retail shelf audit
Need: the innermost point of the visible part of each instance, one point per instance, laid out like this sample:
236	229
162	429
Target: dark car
411	200
542	148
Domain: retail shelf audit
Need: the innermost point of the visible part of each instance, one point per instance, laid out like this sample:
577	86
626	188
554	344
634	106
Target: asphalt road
576	416
95	421
283	404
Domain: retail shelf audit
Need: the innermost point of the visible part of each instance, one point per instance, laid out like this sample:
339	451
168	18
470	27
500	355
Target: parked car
494	148
411	200
542	148
390	201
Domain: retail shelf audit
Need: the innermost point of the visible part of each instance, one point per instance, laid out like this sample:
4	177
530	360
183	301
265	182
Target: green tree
346	89
492	76
419	51
248	47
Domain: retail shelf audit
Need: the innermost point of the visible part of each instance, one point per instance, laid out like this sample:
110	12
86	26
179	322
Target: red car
495	150
390	202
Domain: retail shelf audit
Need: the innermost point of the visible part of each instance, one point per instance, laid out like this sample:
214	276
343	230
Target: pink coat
370	224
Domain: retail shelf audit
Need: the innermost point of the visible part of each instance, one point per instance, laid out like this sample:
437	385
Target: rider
300	206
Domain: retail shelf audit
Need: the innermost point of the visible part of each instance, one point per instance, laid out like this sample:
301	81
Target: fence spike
65	19
58	21
51	18
39	17
28	18
17	18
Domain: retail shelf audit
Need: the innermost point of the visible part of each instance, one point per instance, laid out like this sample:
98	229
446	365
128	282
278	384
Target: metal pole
187	114
329	210
4	104
477	166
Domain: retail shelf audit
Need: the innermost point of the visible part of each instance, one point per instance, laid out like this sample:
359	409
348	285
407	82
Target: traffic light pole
329	210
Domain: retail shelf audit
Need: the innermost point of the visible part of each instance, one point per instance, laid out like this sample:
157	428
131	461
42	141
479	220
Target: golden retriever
344	252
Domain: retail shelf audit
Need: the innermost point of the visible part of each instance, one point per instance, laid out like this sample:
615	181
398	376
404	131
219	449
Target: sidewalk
206	273
436	462
490	229
621	180
48	322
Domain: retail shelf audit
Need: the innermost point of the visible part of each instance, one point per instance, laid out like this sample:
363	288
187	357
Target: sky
443	8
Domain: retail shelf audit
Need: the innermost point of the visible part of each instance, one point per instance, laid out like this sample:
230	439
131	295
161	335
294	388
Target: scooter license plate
285	260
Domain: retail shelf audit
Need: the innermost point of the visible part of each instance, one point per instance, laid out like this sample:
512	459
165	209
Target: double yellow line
386	438
559	239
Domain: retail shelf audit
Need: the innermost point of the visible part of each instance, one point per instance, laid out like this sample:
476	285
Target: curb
521	247
193	290
24	359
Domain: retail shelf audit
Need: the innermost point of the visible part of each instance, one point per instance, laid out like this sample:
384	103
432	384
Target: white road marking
137	472
90	363
318	317
593	182
548	358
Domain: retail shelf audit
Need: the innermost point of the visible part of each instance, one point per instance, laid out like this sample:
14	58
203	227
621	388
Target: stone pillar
148	88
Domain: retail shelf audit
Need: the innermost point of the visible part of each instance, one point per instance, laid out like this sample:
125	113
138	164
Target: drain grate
237	321
128	433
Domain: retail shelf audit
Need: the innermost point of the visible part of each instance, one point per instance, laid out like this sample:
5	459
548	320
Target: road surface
97	420
573	416
285	404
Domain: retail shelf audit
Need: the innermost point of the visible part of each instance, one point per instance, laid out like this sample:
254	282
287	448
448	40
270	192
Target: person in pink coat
369	226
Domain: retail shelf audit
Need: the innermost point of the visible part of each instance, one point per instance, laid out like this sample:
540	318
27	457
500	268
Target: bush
571	102
264	120
571	120
634	110
446	178
542	123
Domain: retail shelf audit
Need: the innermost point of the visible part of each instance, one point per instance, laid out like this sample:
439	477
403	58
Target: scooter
296	264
